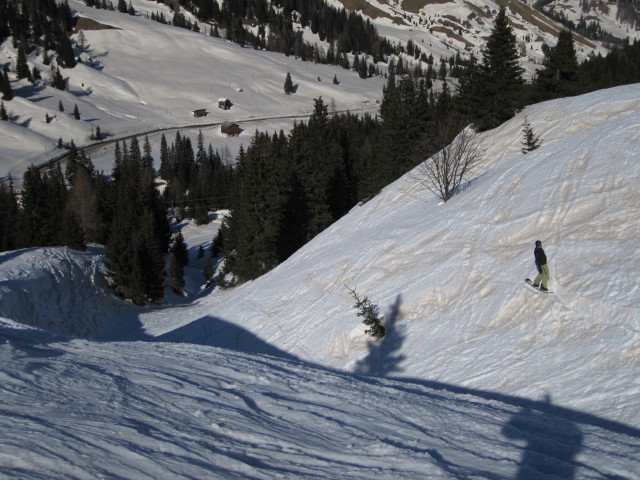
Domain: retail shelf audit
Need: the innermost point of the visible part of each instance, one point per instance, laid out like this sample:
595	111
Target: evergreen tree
66	58
71	232
10	218
83	203
57	80
5	84
3	112
76	112
147	158
500	79
180	250
530	141
22	68
139	233
176	274
560	75
288	84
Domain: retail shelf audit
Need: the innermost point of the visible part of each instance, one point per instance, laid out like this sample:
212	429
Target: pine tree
57	80
3	112
176	273
76	112
10	218
530	141
370	316
5	84
180	250
71	232
288	84
500	89
22	68
560	75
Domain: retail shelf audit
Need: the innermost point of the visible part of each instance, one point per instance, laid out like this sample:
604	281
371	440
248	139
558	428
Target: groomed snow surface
477	378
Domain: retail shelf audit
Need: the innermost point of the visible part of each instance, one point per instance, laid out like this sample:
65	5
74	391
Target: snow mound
58	289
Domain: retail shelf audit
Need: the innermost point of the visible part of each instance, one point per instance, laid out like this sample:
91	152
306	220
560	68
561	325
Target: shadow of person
552	444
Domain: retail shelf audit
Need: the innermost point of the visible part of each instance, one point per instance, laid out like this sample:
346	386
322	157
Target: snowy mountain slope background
445	28
484	378
139	76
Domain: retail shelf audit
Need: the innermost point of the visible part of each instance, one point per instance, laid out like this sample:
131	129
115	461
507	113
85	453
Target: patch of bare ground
414	6
451	34
481	12
83	23
365	7
539	20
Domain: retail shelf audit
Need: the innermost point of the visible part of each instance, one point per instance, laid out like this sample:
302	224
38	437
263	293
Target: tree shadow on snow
215	332
384	358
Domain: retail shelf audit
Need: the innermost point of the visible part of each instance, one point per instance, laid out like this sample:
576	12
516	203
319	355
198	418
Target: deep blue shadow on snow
215	332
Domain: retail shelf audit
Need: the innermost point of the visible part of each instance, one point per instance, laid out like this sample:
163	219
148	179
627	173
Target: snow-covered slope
86	410
495	380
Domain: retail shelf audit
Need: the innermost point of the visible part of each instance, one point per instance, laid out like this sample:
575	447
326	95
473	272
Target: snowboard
535	289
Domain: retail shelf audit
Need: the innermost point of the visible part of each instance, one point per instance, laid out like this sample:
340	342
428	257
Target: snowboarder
543	268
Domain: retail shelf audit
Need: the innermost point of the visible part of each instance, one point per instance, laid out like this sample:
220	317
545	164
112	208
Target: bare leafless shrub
449	168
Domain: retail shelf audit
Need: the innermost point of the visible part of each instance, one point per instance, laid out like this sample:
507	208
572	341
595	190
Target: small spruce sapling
530	141
369	313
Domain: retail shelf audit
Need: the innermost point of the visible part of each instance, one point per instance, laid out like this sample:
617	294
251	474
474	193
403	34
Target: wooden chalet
230	129
224	103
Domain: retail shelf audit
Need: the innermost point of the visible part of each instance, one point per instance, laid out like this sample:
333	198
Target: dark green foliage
76	112
57	80
560	75
530	140
9	220
71	232
139	234
288	84
3	112
196	183
66	57
176	274
494	91
43	199
5	86
180	250
370	315
22	68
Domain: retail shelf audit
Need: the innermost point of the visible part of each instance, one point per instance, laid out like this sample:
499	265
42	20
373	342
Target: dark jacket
541	258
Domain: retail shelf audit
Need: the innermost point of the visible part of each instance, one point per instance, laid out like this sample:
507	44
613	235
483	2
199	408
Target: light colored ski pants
543	276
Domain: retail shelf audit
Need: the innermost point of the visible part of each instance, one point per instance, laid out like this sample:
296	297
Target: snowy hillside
490	377
141	76
138	76
444	28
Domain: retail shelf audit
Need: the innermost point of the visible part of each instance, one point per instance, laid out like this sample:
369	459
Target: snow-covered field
478	377
143	76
